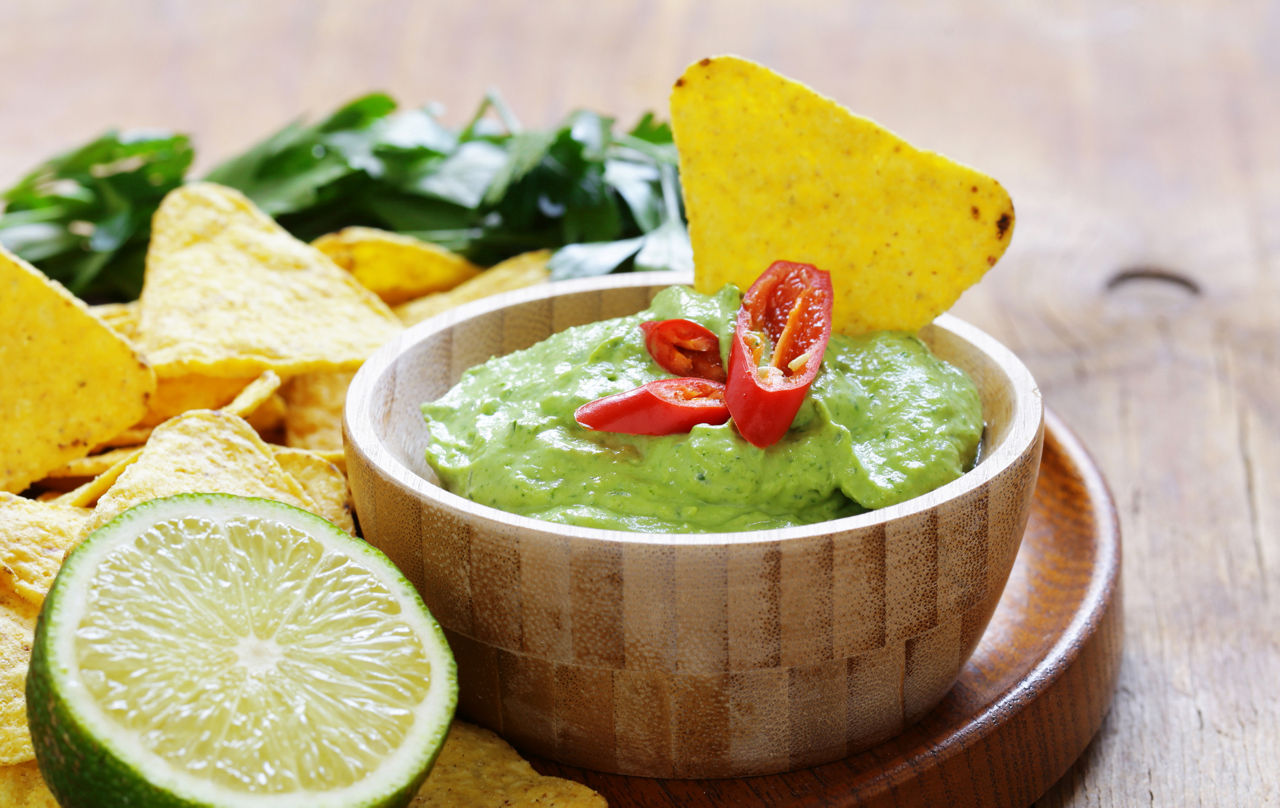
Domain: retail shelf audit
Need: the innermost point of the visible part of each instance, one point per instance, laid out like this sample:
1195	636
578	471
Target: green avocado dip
884	421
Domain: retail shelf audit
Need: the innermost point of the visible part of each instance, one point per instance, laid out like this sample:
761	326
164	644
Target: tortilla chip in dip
771	170
70	381
228	292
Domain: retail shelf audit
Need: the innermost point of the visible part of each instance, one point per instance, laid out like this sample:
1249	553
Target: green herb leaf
590	260
90	208
605	201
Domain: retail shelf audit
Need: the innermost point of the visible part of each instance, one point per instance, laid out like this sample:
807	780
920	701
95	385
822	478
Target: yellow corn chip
337	457
395	267
17	627
21	786
34	538
191	391
122	317
91	466
87	494
254	395
772	171
194	391
477	769
228	292
313	409
268	418
133	436
202	451
322	480
516	272
70	382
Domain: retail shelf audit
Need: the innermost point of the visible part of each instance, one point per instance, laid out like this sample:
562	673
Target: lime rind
89	759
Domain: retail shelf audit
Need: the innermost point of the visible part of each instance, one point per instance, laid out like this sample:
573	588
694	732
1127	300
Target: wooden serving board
1026	705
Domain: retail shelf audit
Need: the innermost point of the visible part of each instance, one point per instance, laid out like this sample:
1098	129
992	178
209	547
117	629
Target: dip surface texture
884	421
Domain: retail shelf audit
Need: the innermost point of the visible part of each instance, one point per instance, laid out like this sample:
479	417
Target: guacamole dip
884	421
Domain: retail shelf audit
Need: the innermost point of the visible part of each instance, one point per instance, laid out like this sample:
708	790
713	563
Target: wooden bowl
691	655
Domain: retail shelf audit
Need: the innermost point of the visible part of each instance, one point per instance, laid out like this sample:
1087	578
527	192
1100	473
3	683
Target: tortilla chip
191	391
516	272
772	170
477	769
83	468
70	382
21	786
34	538
254	395
245	397
268	418
17	628
395	267
337	457
322	480
202	451
313	410
121	317
88	493
228	292
133	436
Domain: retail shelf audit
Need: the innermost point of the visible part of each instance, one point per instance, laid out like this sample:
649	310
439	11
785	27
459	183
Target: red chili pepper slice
684	348
662	407
778	341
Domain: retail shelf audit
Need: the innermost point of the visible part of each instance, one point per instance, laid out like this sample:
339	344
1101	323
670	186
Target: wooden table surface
1140	142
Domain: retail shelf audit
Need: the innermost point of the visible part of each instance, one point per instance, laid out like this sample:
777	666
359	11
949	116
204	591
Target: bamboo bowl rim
361	424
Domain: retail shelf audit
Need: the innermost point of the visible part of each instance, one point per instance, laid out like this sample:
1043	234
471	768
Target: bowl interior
429	358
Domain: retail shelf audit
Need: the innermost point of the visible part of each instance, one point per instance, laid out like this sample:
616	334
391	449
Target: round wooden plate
1027	703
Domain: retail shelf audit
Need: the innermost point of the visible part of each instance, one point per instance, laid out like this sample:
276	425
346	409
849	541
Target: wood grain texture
1026	703
1132	136
752	652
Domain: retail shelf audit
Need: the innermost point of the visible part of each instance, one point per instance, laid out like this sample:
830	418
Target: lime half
211	650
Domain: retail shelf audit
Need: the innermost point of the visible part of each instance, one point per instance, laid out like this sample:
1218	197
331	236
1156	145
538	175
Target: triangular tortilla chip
122	317
202	451
34	538
477	768
313	415
83	468
21	786
191	391
517	272
70	381
87	494
323	481
228	292
254	395
771	170
395	267
17	627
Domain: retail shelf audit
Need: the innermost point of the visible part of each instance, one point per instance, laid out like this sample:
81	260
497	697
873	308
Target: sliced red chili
780	336
662	407
684	348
